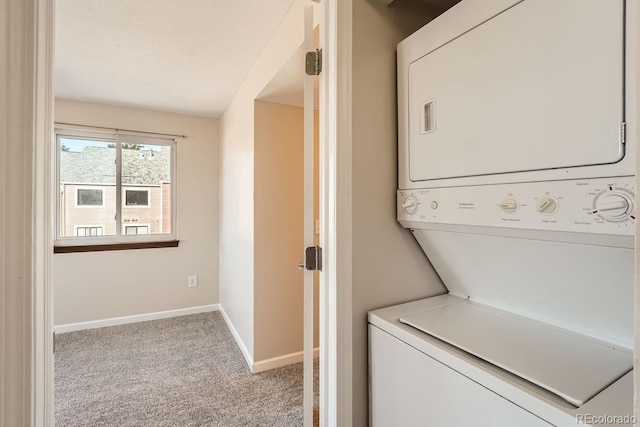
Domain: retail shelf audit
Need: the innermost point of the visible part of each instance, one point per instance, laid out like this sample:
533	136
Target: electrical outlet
192	281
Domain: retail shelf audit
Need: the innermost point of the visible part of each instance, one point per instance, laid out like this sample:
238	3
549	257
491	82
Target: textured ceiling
182	56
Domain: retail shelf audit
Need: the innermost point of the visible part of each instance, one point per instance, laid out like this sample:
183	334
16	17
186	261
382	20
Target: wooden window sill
115	247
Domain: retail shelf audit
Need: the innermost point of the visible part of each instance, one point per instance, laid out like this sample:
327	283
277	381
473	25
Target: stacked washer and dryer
517	179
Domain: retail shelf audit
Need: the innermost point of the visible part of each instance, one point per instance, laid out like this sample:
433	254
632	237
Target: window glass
146	183
87	193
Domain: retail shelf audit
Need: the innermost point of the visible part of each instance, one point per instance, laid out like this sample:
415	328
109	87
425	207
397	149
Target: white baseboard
236	336
280	361
261	366
70	327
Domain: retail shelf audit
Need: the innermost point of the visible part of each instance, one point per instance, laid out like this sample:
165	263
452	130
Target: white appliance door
538	86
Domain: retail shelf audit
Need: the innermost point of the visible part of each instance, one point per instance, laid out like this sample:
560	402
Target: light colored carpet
183	371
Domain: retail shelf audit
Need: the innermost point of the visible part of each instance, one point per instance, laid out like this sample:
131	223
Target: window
89	197
88	231
136	229
125	184
136	197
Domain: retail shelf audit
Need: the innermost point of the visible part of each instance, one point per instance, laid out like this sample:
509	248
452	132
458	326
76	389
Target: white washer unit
517	180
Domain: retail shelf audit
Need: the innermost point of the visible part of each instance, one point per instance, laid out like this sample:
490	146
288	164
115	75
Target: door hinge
313	62
313	258
623	132
54	342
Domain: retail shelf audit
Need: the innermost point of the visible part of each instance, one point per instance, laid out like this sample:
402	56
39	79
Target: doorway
337	330
191	141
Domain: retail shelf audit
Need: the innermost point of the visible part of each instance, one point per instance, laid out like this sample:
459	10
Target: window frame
119	239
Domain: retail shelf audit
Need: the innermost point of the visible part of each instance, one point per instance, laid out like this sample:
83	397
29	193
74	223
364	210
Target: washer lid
572	366
537	87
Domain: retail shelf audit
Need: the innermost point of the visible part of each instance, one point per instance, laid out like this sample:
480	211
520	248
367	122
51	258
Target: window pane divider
118	189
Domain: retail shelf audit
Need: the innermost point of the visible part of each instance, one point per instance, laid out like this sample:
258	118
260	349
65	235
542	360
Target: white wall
100	285
237	178
388	265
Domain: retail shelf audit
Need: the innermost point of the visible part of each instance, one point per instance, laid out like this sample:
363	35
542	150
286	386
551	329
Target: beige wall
237	192
100	285
388	265
279	240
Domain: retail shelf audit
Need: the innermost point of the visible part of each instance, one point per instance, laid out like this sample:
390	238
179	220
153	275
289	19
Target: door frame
336	369
39	121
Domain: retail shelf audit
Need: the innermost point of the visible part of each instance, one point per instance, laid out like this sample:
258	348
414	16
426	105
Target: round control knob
547	205
509	205
614	206
410	205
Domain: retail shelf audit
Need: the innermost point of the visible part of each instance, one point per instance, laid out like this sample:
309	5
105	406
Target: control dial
547	205
613	206
410	205
509	205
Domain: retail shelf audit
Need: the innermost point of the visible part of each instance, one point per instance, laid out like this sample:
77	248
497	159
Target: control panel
599	205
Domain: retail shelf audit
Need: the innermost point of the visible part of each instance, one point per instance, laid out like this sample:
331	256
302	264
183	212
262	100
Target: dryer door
539	86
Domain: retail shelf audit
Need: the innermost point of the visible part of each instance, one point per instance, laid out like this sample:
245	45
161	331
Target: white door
309	229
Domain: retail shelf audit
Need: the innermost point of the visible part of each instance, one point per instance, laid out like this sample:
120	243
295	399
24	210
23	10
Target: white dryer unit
517	179
532	90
